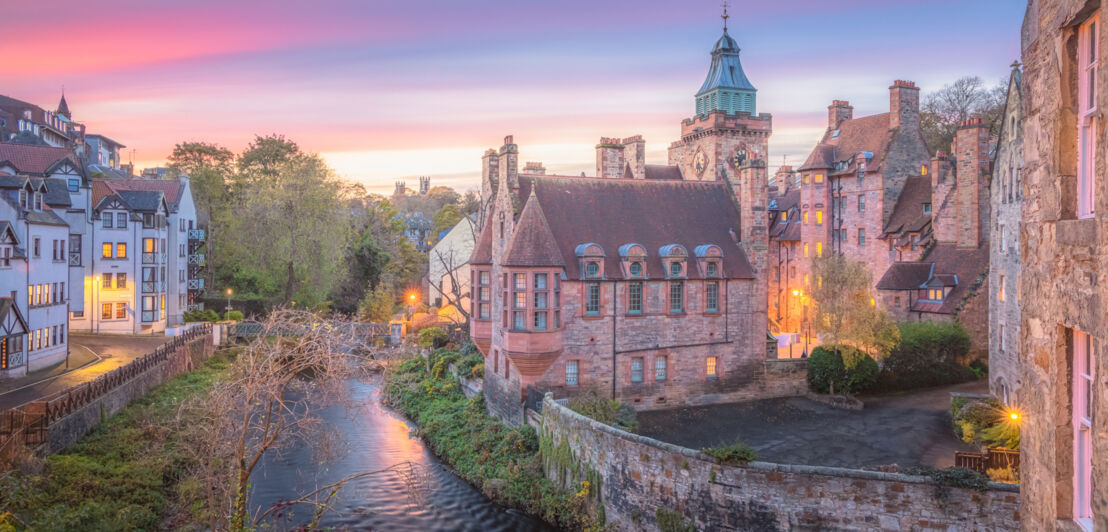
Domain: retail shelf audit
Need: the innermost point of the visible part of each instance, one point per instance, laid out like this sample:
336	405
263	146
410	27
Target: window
819	178
121	250
121	220
1001	339
1000	289
636	369
861	237
660	368
1082	397
784	216
710	367
520	300
807	178
819	217
861	203
540	281
926	208
634	298
540	321
571	373
73	185
37	249
675	269
1003	240
148	220
935	294
819	249
496	361
6	256
106	311
805	217
75	250
896	301
713	269
148	308
107	280
121	280
592	269
484	278
1086	116
711	291
635	269
149	245
592	299
676	296
805	249
915	242
107	217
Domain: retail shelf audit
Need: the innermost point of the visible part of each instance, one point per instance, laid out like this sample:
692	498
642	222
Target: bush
207	315
827	372
929	354
671	521
985	422
737	453
608	411
465	366
233	315
432	337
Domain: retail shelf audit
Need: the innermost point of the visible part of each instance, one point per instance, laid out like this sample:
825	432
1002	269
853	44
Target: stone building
1064	255
645	283
1006	199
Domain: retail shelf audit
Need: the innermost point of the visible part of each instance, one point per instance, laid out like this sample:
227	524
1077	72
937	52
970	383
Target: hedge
826	367
929	354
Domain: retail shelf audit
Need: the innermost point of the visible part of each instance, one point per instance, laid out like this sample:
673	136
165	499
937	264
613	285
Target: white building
448	266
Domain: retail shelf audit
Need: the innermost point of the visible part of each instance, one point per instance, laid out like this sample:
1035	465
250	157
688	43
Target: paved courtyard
908	429
90	356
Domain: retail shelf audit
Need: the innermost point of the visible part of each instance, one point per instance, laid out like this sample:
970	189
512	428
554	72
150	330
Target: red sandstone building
646	283
869	190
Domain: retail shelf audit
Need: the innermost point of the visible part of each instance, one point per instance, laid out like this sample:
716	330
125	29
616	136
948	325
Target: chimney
634	154
609	158
971	153
534	167
903	104
490	176
838	112
944	228
508	165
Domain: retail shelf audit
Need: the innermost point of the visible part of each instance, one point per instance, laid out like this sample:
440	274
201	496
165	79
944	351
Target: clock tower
728	140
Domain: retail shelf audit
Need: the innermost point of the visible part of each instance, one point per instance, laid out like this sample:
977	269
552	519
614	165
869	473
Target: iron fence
993	458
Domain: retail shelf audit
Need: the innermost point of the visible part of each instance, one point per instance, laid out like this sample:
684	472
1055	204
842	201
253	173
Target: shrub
608	411
465	365
432	337
671	521
1003	474
827	372
233	315
208	315
929	354
736	453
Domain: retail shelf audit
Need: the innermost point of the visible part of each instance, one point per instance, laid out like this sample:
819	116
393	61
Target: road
90	356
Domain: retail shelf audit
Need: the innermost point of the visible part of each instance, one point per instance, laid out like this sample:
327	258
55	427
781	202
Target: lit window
636	369
819	217
120	311
571	373
106	250
805	249
819	178
819	249
710	367
784	216
106	311
805	218
923	169
121	250
1000	289
660	368
807	177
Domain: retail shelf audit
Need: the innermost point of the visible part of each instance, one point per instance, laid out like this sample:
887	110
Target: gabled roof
532	242
865	134
135	200
8	306
57	192
31	159
171	189
908	215
955	264
654	213
6	227
906	276
790	229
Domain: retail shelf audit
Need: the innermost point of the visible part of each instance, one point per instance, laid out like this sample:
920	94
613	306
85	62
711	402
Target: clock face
700	162
739	157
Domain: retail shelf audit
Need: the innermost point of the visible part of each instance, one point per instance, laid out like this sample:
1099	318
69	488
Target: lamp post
796	293
229	292
411	305
96	302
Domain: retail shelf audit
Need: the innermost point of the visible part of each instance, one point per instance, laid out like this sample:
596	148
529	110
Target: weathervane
724	16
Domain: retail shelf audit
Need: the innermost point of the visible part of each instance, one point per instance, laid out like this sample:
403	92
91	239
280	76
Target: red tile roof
654	213
33	159
532	242
866	134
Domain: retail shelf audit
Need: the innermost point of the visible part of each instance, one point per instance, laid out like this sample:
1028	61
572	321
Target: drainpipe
615	316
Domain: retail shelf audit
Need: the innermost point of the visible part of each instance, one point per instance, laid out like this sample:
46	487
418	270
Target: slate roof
32	159
44	217
905	276
6	226
908	215
136	200
654	213
790	230
171	189
532	242
865	134
945	264
662	172
726	70
57	192
482	250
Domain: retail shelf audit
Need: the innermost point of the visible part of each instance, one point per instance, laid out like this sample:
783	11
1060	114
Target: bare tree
846	310
452	261
268	403
943	111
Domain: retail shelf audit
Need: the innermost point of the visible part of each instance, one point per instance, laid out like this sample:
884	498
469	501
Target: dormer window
708	259
23	199
592	269
784	216
38	201
675	269
590	256
632	257
712	269
635	269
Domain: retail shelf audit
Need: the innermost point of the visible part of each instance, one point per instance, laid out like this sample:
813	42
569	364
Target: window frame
634	297
576	373
592	299
711	297
1087	58
676	300
1083	387
636	361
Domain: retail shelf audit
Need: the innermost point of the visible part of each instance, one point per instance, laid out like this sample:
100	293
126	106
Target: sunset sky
393	90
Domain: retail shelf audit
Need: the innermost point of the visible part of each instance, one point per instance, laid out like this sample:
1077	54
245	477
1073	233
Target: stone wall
637	476
71	428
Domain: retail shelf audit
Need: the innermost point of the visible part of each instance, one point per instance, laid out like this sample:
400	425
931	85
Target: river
377	438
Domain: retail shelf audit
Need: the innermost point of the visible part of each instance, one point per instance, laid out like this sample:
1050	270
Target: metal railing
197	259
149	287
196	234
993	458
195	284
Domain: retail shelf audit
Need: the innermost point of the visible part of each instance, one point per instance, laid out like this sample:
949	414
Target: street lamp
96	302
229	292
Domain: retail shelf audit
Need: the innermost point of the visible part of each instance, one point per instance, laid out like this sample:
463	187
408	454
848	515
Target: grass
503	462
124	475
737	453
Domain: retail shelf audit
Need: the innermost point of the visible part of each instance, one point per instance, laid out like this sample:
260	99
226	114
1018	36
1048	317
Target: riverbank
502	462
128	474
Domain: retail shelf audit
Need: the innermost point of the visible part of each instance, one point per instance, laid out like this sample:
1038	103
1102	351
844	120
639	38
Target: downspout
615	316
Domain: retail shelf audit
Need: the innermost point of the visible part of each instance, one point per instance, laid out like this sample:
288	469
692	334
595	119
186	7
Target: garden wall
638	476
180	355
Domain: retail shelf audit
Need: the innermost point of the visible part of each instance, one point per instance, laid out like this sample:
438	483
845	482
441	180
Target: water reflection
377	439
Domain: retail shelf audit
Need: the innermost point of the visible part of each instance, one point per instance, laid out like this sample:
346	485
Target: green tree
446	217
378	305
846	312
942	111
265	157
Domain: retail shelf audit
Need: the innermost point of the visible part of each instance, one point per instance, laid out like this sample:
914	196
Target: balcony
197	259
195	284
196	234
195	306
153	258
74	258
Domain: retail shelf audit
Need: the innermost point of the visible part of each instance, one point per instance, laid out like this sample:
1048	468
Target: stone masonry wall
638	475
69	429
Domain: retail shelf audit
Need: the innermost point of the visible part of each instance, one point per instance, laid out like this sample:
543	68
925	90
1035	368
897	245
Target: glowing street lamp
229	292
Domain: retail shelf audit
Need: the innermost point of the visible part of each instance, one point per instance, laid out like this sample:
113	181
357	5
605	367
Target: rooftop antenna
724	16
